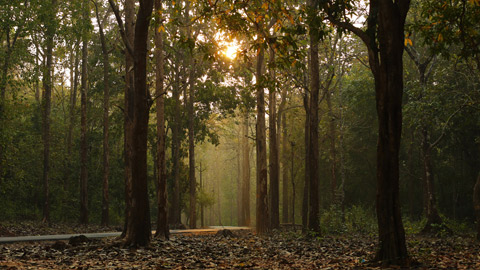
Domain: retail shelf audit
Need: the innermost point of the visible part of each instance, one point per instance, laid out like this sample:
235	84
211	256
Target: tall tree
162	204
384	38
138	229
106	107
83	119
313	150
273	146
47	100
191	125
128	34
261	145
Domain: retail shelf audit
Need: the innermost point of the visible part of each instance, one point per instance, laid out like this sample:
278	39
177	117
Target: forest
305	120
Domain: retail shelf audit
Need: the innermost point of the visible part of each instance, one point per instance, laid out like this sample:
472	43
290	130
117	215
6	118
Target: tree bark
314	86
47	101
83	125
261	146
274	163
138	227
129	102
384	39
175	207
191	131
162	203
387	68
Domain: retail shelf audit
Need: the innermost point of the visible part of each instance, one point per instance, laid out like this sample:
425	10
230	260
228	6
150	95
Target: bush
355	219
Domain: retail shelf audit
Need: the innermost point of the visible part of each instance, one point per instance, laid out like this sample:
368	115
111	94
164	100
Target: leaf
440	37
408	41
161	29
265	6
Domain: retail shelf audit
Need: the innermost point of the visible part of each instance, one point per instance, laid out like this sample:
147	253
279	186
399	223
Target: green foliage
355	219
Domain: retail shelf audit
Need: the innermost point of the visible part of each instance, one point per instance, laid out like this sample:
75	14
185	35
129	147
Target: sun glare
231	51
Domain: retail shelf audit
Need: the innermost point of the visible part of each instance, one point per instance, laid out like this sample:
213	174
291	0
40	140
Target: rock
225	233
78	240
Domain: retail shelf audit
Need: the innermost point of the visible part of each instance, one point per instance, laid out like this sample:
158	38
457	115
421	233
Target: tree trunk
162	203
47	100
261	145
314	86
476	205
285	166
138	227
106	106
128	111
306	184
274	164
191	152
191	131
175	208
387	68
83	125
430	203
245	190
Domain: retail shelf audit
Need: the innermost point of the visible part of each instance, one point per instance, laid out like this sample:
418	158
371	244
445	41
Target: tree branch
121	27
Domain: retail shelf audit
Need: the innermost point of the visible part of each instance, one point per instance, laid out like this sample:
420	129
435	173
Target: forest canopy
249	113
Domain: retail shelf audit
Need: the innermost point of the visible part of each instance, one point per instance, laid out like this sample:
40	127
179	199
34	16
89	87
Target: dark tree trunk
106	106
47	101
138	226
313	154
384	39
162	204
83	126
387	68
191	131
274	163
261	145
476	205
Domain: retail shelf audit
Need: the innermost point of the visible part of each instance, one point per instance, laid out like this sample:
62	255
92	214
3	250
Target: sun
231	51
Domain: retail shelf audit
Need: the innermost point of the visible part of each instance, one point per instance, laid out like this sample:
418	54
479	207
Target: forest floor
242	250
